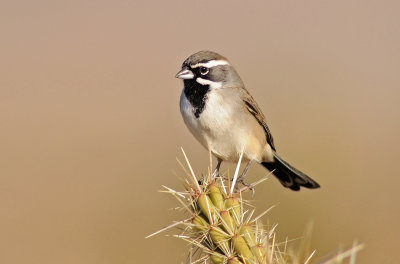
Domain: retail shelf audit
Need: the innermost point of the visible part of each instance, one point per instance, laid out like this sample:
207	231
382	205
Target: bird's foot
249	186
215	174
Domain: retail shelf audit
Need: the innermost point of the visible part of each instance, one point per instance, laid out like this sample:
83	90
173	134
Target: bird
223	116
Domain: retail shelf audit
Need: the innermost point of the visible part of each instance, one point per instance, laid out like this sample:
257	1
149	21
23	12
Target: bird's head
208	68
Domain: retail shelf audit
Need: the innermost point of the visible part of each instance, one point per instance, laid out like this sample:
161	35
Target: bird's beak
185	74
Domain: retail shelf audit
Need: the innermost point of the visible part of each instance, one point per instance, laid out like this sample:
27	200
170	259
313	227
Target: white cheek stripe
210	64
213	85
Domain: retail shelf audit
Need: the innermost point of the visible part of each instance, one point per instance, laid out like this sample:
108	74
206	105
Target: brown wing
253	108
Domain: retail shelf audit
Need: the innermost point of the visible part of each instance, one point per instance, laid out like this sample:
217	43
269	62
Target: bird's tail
289	176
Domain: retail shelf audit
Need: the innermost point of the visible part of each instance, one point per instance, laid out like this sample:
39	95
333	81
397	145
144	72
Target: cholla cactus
218	224
221	228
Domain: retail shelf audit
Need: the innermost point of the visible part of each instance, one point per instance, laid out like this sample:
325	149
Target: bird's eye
204	70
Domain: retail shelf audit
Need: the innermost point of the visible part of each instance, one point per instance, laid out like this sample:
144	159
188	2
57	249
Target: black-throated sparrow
225	119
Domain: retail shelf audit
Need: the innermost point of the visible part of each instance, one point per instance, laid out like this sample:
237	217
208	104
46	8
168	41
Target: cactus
221	228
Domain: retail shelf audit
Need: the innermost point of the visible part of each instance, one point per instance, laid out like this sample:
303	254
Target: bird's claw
251	187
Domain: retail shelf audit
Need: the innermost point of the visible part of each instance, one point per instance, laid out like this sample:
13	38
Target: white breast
223	128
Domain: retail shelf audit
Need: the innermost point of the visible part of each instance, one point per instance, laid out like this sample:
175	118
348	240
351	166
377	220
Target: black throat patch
196	93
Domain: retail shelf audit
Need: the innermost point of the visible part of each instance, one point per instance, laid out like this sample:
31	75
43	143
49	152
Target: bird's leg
216	171
241	178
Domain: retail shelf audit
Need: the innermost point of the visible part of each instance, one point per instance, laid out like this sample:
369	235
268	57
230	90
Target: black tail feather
289	176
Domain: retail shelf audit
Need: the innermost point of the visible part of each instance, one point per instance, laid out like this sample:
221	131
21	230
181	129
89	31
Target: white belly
224	129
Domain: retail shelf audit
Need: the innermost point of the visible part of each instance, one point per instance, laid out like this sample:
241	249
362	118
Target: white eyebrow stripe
213	85
210	64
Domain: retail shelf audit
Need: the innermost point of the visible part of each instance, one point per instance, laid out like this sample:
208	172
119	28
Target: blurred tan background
90	125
